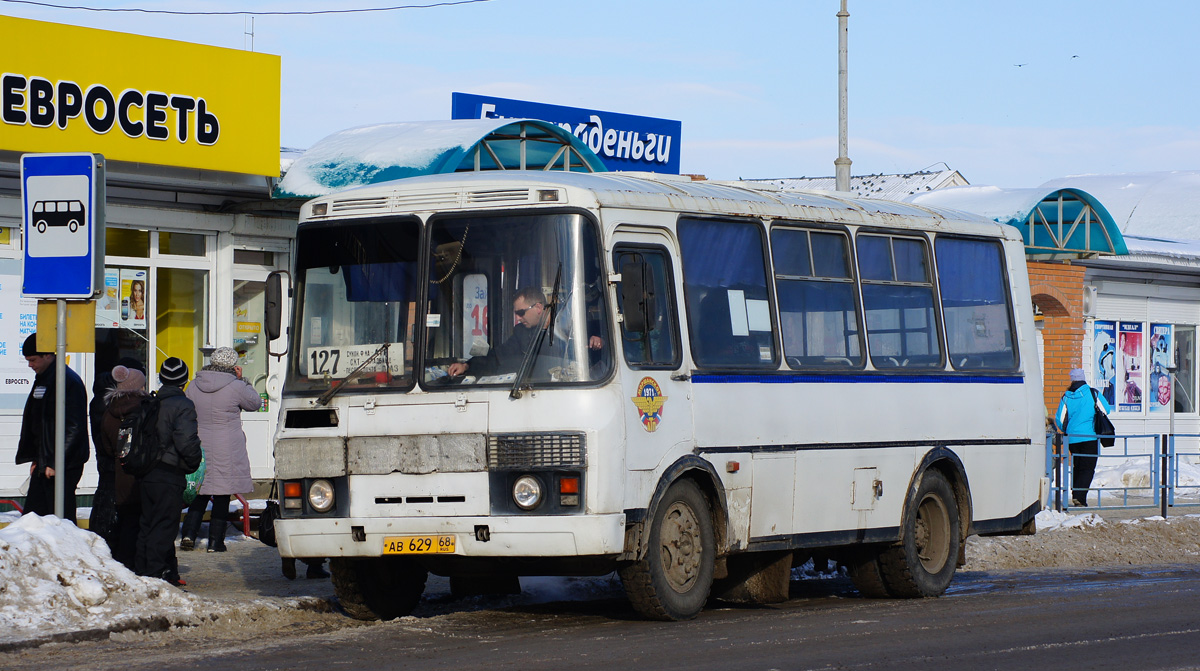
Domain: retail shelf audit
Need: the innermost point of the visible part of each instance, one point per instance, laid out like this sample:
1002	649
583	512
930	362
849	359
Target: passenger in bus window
529	307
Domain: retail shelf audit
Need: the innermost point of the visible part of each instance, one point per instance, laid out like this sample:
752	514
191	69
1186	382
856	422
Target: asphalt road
1143	618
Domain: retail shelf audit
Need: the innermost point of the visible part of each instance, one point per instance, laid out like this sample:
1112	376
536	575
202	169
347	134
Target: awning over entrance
1056	223
383	152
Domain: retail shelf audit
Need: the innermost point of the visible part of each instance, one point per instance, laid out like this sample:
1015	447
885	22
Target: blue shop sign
622	141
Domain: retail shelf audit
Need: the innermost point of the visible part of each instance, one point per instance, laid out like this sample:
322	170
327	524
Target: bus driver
530	307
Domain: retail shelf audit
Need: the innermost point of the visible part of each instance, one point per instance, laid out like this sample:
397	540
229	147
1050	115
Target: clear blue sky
1103	86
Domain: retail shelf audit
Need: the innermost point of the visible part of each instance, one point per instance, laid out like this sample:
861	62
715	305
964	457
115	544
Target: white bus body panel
793	458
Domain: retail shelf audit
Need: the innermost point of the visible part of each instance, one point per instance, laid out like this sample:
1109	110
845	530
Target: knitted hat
226	357
29	347
128	379
1077	375
174	371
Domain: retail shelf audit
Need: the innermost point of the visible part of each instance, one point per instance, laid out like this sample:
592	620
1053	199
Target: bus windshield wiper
324	398
545	324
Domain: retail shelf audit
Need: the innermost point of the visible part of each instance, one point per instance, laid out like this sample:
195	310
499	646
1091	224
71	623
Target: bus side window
728	303
657	346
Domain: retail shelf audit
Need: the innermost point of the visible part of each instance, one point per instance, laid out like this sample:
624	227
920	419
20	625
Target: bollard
1163	476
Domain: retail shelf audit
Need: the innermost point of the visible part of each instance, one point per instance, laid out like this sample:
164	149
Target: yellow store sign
134	98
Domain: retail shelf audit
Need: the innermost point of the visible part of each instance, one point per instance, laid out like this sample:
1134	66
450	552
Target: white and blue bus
697	385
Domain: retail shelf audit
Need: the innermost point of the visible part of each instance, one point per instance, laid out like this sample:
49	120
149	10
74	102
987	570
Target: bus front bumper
544	536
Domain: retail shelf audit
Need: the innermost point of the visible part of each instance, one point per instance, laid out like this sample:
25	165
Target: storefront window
181	244
127	242
1185	373
181	315
249	304
253	257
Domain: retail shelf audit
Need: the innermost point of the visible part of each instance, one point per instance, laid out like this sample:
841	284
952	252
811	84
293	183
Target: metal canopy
384	152
1055	223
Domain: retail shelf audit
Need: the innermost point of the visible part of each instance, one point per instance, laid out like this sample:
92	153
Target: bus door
658	408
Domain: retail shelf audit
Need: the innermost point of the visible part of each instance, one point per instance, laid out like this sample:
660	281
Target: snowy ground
56	578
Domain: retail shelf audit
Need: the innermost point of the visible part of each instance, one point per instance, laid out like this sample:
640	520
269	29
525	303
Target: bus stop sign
62	203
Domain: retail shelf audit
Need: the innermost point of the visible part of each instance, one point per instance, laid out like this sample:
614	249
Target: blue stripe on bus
736	378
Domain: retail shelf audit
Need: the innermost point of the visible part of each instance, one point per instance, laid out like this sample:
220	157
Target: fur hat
225	357
29	347
128	379
174	371
1077	375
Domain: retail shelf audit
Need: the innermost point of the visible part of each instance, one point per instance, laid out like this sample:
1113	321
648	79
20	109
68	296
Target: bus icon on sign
50	213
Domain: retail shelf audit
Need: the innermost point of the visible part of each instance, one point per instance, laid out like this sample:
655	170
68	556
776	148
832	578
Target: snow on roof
887	187
1150	204
993	202
379	152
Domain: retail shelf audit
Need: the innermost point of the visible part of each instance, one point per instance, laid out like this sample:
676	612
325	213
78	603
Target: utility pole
842	164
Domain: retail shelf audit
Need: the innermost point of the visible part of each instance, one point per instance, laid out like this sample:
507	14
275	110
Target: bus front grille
534	450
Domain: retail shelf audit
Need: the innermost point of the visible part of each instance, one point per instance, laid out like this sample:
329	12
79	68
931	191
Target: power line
296	13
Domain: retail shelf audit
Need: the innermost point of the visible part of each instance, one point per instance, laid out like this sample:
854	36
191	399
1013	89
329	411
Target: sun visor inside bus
378	282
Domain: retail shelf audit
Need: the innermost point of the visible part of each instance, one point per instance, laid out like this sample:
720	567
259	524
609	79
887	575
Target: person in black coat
36	446
162	488
103	521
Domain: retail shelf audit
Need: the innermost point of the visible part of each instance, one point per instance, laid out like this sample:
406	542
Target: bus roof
651	191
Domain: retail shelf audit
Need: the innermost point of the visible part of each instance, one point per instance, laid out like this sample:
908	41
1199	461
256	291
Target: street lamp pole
842	164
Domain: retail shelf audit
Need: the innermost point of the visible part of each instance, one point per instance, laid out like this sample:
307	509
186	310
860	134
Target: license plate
418	545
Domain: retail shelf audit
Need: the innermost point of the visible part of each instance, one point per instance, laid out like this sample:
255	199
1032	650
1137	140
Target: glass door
259	368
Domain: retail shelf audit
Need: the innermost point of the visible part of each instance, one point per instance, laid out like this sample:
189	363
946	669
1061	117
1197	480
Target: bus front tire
672	581
377	588
923	563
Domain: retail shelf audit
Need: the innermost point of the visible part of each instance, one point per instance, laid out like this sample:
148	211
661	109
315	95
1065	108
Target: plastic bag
194	480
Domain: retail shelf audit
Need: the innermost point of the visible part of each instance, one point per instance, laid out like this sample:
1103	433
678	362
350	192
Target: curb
146	624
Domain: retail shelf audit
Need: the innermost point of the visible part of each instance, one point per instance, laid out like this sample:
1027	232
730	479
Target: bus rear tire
867	573
377	588
923	563
672	581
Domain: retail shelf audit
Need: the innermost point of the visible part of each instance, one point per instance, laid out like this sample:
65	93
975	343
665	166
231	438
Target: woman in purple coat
220	395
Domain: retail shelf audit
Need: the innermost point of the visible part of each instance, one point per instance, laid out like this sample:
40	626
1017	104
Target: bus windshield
512	292
356	305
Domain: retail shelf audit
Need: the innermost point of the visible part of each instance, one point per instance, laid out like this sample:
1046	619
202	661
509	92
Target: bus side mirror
274	306
637	296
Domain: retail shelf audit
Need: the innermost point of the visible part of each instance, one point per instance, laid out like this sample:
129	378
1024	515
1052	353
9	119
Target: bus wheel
865	570
673	580
41	226
74	225
923	563
377	588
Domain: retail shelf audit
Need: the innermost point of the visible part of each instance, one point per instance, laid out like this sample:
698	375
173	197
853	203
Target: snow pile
56	577
1076	541
1048	520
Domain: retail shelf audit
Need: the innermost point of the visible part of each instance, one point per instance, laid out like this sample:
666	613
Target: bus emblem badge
649	402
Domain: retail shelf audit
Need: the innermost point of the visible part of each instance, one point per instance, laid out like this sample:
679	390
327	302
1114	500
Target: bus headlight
320	495
527	492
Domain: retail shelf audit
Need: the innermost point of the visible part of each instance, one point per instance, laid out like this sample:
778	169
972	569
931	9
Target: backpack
140	450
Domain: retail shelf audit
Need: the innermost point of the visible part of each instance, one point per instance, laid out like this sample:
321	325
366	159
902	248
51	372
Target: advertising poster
108	306
1104	348
18	319
1159	391
133	298
1129	367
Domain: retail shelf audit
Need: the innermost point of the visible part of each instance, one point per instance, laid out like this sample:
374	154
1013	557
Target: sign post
62	204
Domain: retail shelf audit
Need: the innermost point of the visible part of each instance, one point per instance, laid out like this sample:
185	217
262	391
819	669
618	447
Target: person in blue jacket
1076	418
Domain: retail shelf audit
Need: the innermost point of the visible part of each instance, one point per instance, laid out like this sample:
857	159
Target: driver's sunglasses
522	311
